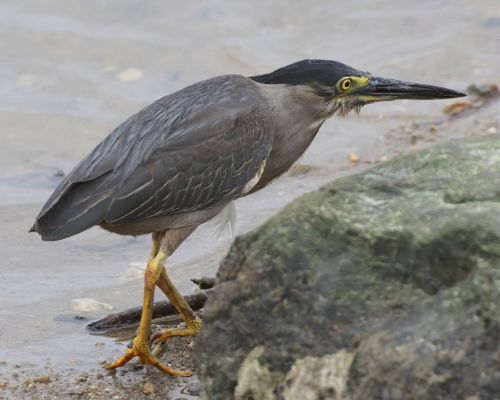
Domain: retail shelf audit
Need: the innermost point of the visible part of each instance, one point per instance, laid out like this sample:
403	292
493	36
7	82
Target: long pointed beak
391	89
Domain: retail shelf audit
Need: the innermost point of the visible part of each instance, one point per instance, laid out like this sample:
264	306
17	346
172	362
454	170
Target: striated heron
184	159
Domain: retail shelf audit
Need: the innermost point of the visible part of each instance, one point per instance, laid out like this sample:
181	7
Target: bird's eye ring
345	84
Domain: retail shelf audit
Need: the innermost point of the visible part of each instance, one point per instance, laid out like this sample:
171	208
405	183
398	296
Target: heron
184	159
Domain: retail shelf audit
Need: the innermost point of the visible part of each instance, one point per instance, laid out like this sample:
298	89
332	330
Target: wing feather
193	177
187	151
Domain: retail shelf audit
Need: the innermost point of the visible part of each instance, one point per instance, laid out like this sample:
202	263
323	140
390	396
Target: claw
143	351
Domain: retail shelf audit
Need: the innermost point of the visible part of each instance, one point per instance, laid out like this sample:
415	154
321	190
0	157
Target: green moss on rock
399	265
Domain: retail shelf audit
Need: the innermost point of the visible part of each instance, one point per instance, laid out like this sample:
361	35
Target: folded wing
188	151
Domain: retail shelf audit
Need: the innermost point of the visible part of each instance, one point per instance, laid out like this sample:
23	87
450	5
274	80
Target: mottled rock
383	285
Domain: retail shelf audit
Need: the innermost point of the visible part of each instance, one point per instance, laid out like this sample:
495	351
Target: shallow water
70	73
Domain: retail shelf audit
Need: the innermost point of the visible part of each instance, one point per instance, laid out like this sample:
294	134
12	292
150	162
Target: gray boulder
384	285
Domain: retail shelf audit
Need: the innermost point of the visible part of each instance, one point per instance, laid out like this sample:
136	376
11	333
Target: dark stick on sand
206	282
160	309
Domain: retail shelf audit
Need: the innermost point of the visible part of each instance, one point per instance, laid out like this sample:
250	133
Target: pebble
42	379
58	173
491	130
88	305
457	107
192	388
81	378
300	169
149	388
354	158
130	74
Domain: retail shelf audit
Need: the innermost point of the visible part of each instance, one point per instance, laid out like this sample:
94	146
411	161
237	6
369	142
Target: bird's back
183	142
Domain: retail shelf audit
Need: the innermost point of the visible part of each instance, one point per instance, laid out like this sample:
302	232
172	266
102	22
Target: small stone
457	107
75	392
192	388
42	379
81	378
59	173
433	128
87	305
149	389
491	130
354	158
130	74
300	169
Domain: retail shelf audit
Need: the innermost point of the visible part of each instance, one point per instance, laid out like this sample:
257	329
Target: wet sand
71	72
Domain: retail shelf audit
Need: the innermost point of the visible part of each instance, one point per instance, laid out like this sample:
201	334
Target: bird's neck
298	105
298	115
296	123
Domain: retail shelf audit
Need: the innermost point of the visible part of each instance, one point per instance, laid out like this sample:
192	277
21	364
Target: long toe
143	352
191	330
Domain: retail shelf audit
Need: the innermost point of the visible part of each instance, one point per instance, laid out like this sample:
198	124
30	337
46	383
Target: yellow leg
192	321
141	347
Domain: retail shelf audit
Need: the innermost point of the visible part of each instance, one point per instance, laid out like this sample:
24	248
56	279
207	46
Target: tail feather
79	208
55	224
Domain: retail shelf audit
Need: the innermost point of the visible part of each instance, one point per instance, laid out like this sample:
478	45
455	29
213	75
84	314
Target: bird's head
341	88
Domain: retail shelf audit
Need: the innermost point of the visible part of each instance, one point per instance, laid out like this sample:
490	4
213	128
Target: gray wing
211	162
185	152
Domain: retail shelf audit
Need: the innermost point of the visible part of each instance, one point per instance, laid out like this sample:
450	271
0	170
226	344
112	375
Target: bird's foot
142	350
192	329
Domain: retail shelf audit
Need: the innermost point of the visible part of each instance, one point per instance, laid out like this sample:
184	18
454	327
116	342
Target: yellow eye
345	84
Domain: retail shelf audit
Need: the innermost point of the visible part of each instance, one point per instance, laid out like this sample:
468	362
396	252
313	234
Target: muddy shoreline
71	74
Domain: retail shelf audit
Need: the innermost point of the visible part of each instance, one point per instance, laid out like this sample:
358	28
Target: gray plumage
195	149
185	157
